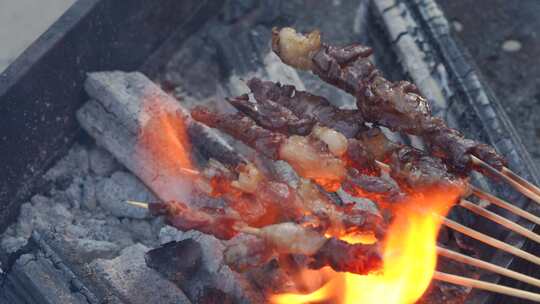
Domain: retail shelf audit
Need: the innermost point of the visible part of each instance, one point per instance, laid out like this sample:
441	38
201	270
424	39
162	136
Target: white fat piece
249	178
293	238
296	49
336	142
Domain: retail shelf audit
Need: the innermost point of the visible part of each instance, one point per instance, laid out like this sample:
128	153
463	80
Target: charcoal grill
41	91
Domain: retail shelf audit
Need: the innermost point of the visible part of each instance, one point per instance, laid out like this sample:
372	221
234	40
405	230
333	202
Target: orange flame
409	258
163	149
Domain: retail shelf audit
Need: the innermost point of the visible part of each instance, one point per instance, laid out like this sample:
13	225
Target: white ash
85	206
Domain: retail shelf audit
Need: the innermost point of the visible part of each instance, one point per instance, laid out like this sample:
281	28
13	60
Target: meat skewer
288	238
410	165
310	156
398	106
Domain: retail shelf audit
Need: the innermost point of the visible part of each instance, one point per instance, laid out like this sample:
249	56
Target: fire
163	150
409	258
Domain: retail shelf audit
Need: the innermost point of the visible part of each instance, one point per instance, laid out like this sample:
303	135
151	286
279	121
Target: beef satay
308	106
338	220
290	238
317	157
396	105
261	201
309	156
257	200
272	116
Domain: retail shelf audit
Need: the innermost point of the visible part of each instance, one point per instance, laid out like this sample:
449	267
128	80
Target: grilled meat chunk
308	106
396	105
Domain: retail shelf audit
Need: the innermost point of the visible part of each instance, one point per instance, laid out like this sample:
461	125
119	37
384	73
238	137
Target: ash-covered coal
85	207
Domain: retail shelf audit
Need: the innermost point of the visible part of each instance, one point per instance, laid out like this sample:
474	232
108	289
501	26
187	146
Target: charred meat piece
257	200
360	157
374	188
413	168
410	167
244	129
334	219
308	106
210	221
345	257
396	105
272	116
290	238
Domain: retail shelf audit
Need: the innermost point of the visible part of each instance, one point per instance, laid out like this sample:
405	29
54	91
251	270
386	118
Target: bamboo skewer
505	205
465	259
499	220
520	180
138	204
490	241
524	189
472	283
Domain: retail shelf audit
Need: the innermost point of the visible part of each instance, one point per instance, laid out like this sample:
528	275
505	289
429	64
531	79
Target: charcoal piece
233	10
177	261
215	296
131	280
37	274
117	115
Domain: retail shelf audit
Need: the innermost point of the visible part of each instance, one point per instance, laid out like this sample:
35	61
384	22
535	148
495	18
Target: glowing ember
163	150
409	258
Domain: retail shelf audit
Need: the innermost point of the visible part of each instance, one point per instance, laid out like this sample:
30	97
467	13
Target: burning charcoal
308	106
215	296
396	105
112	193
177	261
272	116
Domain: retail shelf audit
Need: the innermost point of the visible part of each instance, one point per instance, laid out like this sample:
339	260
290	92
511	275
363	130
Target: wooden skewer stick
472	283
383	166
465	259
138	204
505	205
520	180
190	171
490	241
524	189
499	220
